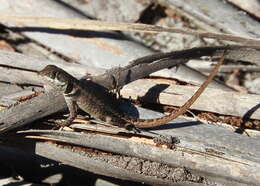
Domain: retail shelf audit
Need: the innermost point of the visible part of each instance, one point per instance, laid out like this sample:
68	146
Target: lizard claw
170	141
64	123
131	127
136	130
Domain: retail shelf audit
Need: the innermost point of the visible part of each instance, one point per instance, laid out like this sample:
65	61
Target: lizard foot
64	123
169	141
131	127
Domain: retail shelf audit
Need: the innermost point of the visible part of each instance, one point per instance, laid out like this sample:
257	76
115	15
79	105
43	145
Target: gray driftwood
123	167
241	154
226	17
210	160
31	110
84	47
213	100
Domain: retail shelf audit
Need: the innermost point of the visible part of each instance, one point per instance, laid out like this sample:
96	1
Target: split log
215	161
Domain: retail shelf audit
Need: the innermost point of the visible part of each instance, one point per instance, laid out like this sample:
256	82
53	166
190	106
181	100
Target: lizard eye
52	74
61	78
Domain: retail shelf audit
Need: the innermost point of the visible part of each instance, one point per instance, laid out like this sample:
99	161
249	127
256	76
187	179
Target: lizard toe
131	127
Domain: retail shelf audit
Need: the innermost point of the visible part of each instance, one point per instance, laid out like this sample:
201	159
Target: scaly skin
99	103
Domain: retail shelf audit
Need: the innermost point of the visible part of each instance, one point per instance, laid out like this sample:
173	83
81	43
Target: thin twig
83	24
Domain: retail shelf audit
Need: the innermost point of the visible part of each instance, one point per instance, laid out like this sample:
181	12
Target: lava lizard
101	104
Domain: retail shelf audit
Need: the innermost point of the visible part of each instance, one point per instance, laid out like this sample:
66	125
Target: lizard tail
147	123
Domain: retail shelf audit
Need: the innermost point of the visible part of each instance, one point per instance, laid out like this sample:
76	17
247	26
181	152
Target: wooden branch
115	166
31	110
80	24
222	159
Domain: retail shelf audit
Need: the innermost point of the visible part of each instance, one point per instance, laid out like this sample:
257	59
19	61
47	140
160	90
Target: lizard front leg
73	108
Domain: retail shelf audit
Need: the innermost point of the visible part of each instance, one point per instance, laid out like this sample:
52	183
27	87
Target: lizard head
54	77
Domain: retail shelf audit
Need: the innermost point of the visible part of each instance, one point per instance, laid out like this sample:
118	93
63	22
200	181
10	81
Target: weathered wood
31	110
207	18
211	161
19	68
144	66
28	117
80	24
213	100
206	66
251	6
9	99
103	165
6	89
83	47
205	14
206	136
114	11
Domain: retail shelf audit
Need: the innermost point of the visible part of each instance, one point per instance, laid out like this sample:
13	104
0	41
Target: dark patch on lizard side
69	88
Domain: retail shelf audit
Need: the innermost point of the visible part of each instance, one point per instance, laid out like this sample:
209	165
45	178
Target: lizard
101	104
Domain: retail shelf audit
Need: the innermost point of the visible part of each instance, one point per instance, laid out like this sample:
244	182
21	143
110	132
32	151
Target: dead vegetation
218	138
